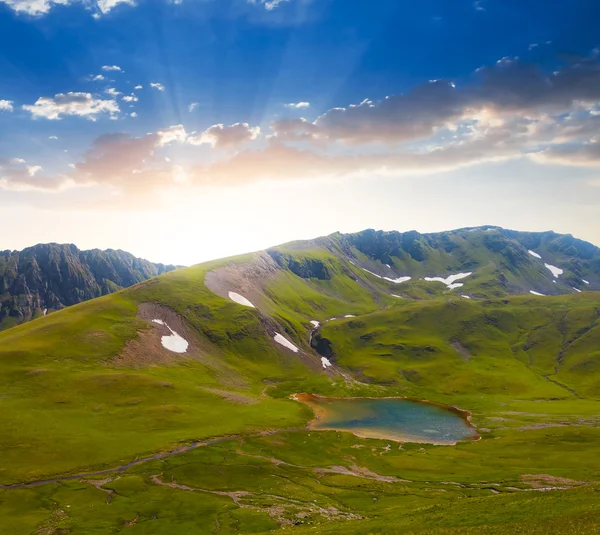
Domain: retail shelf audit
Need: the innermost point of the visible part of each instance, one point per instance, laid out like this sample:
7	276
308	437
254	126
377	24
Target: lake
396	419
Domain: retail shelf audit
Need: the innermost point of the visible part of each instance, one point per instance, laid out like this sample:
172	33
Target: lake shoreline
321	413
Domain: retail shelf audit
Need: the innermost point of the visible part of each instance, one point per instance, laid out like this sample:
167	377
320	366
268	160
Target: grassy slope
66	408
508	346
60	392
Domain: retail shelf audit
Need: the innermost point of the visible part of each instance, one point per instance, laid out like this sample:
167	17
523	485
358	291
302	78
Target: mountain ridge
50	276
500	262
506	261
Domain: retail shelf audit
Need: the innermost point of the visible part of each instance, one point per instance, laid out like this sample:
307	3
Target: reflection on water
391	418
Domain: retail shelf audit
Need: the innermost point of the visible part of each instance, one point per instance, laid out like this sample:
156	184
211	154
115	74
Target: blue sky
238	124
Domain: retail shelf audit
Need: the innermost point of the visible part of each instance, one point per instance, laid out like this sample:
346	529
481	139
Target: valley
172	406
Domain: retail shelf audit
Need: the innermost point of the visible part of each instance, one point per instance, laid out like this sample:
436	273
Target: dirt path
155	457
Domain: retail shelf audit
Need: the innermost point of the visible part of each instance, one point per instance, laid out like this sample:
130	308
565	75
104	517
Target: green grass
526	367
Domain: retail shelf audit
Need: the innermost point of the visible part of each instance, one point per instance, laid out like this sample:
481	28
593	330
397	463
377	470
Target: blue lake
391	418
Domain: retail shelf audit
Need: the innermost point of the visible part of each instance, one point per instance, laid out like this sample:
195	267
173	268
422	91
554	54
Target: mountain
501	261
48	277
172	406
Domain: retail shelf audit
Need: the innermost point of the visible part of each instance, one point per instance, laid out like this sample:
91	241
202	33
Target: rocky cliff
47	277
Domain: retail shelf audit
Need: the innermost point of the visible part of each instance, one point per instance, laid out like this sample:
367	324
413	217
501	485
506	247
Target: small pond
396	419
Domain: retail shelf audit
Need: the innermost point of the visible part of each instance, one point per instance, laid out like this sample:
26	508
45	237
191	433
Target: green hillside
89	389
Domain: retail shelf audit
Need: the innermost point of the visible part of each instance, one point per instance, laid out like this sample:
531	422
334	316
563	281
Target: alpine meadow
105	429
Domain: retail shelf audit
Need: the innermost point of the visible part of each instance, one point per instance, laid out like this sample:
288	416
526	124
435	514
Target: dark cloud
509	86
587	154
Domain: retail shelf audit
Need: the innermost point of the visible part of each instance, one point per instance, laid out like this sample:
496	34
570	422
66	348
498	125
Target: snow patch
285	342
555	271
576	289
398	296
389	266
45	311
349	316
325	362
240	299
465	297
585	281
174	342
536	293
399	280
450	281
533	253
314	323
455	285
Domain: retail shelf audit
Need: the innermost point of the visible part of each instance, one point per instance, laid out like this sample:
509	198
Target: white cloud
220	136
33	169
33	7
106	5
133	114
15	175
109	68
6	105
193	106
52	137
157	86
298	105
97	78
268	4
130	98
138	87
112	92
79	104
173	133
39	8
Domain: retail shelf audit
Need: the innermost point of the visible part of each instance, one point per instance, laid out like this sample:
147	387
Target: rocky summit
47	277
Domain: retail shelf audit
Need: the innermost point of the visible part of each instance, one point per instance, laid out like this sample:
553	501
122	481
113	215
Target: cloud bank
505	111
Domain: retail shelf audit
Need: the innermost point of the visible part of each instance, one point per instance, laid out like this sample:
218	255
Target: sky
188	130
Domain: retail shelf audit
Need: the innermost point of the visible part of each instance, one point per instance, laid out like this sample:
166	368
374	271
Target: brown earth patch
361	472
548	482
285	511
246	278
147	348
36	371
587	422
462	350
232	397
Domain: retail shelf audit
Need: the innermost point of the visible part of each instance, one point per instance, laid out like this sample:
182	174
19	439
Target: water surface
391	418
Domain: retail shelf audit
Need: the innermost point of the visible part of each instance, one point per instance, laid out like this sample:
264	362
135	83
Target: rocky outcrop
48	277
507	261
